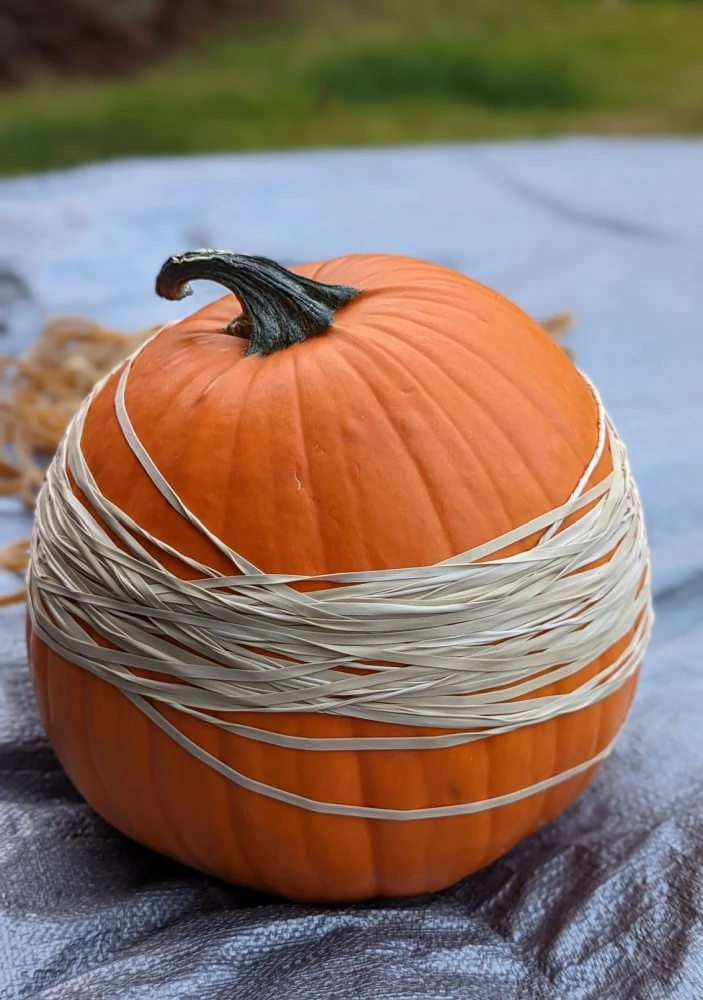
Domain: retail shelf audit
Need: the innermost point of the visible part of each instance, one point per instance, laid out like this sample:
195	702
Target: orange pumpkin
392	428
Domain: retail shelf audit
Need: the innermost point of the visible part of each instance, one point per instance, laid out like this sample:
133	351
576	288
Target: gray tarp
605	903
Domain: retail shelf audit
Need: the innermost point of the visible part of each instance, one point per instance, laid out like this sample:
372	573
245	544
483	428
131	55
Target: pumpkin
366	413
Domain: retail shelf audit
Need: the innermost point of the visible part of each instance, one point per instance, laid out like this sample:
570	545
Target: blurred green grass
383	71
462	72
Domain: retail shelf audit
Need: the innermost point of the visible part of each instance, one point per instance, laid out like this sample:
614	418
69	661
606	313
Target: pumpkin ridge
413	462
435	293
243	826
500	428
509	521
553	729
491	775
177	846
232	457
324	556
294	779
236	827
357	728
490	816
91	771
531	807
323	385
307	823
398	265
491	418
86	719
503	373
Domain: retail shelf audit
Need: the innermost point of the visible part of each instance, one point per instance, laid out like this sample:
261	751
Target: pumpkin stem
279	308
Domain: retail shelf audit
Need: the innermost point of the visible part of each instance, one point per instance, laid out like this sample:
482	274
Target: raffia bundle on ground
341	589
42	392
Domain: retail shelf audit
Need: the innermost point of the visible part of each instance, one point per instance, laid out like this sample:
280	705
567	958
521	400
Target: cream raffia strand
477	639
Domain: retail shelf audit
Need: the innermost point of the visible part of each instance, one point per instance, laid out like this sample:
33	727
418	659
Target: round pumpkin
385	413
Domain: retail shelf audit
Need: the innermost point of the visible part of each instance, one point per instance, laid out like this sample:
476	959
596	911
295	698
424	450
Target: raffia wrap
477	639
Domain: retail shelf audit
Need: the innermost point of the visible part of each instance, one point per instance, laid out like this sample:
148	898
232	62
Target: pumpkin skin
432	417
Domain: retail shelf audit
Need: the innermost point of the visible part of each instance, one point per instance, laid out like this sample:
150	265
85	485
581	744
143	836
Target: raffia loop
478	639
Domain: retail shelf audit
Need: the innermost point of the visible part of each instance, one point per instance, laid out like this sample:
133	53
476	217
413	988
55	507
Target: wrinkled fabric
606	903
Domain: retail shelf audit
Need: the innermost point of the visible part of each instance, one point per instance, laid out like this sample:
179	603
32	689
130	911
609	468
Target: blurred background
593	211
86	80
